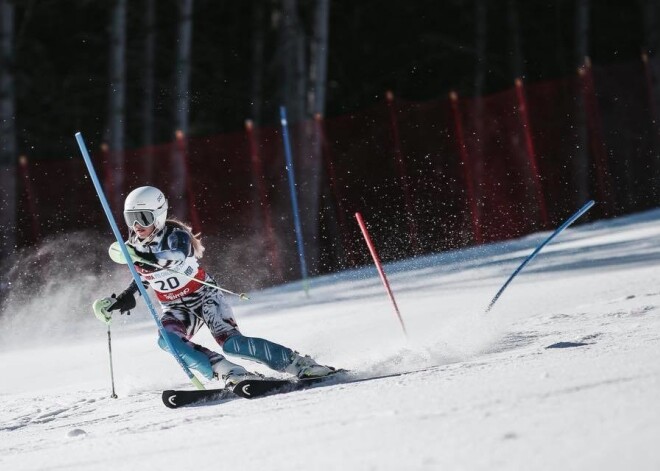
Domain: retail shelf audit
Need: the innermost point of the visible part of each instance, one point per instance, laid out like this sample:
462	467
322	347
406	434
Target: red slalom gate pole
379	267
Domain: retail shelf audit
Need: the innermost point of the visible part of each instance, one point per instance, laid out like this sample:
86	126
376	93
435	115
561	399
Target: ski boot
231	373
304	367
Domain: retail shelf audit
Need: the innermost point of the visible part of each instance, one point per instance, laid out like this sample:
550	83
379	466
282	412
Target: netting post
182	148
335	189
258	177
531	152
649	92
473	207
655	126
29	195
108	181
401	170
596	137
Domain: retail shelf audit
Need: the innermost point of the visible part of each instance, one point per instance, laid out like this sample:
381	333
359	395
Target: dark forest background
420	49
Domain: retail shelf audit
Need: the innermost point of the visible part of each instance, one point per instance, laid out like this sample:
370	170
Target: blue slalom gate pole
124	250
294	198
566	223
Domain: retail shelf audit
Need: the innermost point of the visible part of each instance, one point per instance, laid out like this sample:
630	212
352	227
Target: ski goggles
143	218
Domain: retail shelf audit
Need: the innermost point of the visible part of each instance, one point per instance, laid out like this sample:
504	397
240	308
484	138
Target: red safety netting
425	176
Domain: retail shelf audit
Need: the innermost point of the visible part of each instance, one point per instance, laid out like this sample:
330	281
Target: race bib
170	285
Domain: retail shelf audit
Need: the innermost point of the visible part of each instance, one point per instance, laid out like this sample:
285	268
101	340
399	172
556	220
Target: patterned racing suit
188	304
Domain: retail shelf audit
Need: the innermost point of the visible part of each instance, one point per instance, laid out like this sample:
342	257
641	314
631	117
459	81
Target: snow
482	392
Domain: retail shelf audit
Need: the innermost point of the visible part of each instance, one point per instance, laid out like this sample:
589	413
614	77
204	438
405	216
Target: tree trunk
8	148
481	66
582	25
318	67
117	98
559	43
303	93
311	96
149	84
651	14
293	62
319	62
179	172
581	156
256	86
184	47
481	38
517	61
149	72
288	52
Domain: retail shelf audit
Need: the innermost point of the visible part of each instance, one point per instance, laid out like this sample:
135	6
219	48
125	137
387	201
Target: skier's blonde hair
196	240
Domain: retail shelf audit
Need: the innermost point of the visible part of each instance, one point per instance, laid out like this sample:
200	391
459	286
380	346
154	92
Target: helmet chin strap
147	240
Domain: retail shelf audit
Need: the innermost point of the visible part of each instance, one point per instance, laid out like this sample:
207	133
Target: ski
253	388
180	398
248	389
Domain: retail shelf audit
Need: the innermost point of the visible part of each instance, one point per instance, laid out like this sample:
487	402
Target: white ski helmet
145	206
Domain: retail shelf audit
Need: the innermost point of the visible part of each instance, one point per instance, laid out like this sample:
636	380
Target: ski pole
566	223
118	257
112	374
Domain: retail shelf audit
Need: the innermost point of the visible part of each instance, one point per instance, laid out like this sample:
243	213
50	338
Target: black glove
149	257
125	302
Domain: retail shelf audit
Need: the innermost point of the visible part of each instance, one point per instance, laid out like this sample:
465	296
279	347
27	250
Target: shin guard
191	357
274	356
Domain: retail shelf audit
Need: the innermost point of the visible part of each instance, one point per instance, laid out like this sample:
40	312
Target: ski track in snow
562	374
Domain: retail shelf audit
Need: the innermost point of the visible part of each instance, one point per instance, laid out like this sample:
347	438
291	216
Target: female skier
186	303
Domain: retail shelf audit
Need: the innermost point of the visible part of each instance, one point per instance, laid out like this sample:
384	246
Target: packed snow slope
562	374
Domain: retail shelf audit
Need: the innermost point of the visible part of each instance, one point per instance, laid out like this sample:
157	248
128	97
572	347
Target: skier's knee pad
191	357
273	355
175	340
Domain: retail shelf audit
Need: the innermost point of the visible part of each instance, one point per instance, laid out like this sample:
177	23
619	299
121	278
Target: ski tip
169	399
